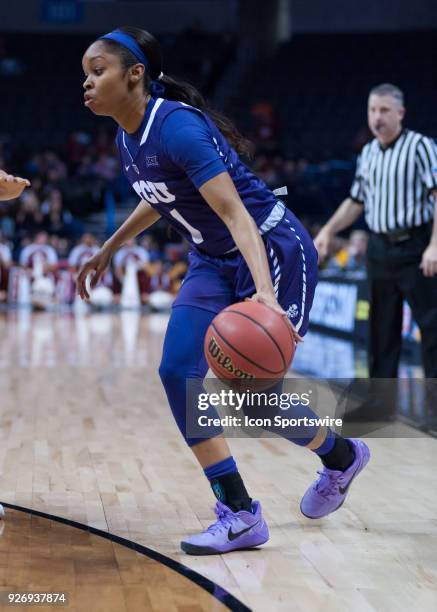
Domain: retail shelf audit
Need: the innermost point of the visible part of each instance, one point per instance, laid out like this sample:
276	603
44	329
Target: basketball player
11	187
182	161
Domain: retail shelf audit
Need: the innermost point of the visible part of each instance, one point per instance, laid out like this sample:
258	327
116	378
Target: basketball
249	341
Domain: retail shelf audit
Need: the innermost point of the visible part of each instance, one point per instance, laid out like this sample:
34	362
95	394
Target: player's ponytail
165	86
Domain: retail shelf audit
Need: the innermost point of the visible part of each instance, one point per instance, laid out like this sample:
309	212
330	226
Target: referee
396	186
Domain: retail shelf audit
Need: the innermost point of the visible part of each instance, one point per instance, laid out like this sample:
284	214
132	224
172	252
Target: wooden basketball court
87	436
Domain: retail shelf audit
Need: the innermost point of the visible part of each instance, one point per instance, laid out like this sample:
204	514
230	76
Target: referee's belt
404	234
398	236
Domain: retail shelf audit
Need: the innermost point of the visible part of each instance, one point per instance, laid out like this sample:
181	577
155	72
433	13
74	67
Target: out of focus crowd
42	275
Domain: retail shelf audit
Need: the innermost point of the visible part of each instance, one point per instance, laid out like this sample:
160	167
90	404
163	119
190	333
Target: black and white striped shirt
395	183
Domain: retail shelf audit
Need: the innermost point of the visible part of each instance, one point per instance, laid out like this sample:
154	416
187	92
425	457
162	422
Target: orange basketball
249	341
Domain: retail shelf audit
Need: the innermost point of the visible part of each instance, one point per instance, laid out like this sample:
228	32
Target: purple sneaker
232	531
329	491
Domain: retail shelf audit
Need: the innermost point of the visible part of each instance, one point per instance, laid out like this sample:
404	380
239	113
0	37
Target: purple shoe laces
328	482
224	518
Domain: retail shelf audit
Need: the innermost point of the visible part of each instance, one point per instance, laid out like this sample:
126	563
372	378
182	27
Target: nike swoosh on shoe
343	490
233	536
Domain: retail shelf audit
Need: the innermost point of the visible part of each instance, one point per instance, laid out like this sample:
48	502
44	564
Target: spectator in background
132	253
352	257
29	218
58	220
267	170
83	251
61	246
55	218
78	147
55	169
106	166
39	257
265	126
5	264
176	265
86	166
149	243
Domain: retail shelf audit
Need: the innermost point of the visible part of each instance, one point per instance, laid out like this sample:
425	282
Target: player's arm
139	220
11	187
220	193
143	217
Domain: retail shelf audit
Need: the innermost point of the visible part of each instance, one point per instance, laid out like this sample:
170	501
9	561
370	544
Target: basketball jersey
170	191
41	252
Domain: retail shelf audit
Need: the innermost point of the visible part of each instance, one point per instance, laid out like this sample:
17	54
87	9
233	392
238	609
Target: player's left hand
429	261
11	187
271	301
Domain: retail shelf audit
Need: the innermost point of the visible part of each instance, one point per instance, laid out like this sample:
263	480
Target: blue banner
62	11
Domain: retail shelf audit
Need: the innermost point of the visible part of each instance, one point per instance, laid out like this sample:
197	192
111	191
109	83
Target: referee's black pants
394	275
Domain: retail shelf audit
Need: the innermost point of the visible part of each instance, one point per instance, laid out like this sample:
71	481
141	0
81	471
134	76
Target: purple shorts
212	283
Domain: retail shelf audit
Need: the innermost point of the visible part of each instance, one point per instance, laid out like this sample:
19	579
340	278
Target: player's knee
167	372
174	371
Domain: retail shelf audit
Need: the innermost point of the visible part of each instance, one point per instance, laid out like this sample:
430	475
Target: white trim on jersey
304	278
274	217
158	103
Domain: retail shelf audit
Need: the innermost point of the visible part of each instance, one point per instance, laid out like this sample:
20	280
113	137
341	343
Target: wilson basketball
249	341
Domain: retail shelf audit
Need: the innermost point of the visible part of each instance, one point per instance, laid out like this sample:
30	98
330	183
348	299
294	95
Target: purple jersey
156	178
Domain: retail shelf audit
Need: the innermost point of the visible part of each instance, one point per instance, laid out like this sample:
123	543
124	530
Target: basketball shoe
231	531
329	491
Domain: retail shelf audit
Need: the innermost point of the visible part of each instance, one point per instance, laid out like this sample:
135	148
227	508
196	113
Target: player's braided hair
175	89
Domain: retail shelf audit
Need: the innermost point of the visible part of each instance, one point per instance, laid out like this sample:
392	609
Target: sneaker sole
193	549
365	462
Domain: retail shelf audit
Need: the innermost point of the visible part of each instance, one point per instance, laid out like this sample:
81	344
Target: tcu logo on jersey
153	192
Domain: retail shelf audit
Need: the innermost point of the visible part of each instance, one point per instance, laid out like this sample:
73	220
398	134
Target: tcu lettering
153	192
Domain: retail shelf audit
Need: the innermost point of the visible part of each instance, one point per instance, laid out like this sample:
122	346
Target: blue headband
157	89
130	43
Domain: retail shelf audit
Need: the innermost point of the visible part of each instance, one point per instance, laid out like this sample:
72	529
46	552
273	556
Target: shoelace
328	483
224	520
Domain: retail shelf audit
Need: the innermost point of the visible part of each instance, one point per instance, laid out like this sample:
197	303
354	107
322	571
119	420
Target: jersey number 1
195	234
158	192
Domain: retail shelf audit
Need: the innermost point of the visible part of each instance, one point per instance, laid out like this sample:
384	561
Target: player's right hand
97	264
323	242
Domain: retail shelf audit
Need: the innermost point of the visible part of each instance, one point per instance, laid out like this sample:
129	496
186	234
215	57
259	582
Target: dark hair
175	89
